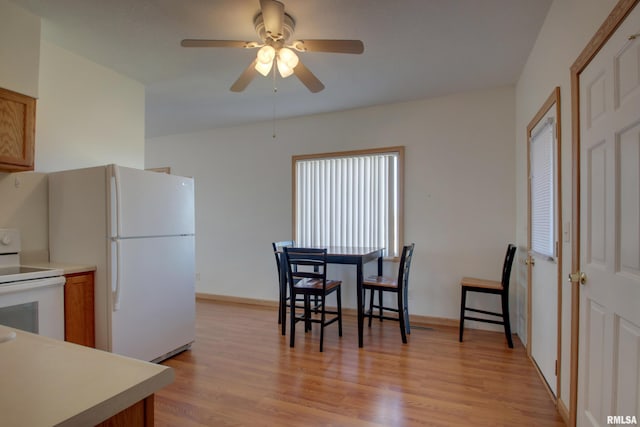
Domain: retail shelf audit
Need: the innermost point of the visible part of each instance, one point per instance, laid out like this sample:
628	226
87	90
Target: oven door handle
117	277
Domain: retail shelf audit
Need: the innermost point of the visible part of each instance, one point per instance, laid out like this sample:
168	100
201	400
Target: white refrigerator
138	228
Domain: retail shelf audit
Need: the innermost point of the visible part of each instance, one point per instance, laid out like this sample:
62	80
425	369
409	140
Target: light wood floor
241	372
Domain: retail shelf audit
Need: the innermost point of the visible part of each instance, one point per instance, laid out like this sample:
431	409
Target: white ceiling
413	49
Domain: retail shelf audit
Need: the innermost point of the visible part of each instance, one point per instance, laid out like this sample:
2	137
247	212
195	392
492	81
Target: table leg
360	303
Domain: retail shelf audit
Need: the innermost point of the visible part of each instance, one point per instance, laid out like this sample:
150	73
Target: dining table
358	256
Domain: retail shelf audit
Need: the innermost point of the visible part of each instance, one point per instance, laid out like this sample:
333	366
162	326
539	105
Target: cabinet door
17	131
79	321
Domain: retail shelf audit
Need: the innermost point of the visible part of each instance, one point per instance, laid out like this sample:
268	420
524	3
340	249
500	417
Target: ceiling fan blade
245	78
273	17
335	46
308	78
217	43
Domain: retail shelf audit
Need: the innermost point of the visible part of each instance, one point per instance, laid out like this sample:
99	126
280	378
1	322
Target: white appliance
31	298
138	228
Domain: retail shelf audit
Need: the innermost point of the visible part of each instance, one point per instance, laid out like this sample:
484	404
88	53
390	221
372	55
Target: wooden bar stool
472	284
399	286
307	277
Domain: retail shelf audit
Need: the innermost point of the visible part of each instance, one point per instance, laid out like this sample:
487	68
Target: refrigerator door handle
117	200
116	279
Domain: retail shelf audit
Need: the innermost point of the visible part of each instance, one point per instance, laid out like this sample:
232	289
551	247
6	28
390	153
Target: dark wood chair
282	302
307	277
398	285
472	284
283	299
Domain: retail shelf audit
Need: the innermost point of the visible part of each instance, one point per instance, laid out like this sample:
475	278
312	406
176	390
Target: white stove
31	298
21	273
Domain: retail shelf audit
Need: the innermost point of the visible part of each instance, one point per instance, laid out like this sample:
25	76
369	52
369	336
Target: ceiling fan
275	29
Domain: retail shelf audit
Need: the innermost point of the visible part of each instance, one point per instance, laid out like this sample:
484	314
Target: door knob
578	277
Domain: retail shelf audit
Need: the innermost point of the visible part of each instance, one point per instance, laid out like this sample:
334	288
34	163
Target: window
542	188
349	199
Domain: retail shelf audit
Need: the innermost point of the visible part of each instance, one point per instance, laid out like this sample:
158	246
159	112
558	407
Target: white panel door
146	203
544	267
609	353
544	317
154	304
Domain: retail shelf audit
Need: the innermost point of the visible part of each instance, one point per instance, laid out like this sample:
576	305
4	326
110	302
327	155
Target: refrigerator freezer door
145	203
156	312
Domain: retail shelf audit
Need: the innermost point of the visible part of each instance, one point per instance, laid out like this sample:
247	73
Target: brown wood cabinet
17	131
137	415
79	320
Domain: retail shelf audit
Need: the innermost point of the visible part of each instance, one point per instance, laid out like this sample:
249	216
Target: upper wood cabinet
17	131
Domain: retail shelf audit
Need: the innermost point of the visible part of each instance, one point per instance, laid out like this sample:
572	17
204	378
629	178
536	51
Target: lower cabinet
137	415
79	320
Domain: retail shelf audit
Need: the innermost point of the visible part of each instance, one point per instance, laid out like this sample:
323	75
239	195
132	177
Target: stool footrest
492	313
477	319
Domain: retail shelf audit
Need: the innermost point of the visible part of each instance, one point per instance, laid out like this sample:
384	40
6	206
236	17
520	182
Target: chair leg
339	295
506	319
282	316
380	303
322	319
372	292
463	302
405	307
307	313
292	319
401	313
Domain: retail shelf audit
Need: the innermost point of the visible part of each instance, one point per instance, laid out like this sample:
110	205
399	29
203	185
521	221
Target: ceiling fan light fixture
262	68
288	56
275	29
266	54
287	61
265	59
284	69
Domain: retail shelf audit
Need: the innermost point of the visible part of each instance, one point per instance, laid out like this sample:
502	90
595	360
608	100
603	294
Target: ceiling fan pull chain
275	90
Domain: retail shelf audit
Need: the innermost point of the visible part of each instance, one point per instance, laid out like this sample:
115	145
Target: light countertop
66	268
46	382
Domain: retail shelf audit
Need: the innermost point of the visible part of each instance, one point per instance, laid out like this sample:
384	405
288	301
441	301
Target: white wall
24	198
19	49
569	26
87	114
459	201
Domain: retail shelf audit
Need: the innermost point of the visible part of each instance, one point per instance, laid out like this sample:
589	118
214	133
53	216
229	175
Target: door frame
554	98
620	11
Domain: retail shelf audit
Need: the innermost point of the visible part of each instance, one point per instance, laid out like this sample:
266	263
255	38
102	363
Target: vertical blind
542	188
348	201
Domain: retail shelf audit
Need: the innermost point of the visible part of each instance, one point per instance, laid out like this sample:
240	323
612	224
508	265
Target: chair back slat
306	263
508	263
278	248
405	265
